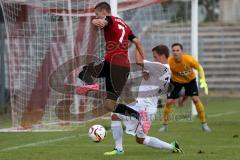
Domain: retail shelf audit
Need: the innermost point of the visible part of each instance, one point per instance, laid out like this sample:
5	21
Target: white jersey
150	89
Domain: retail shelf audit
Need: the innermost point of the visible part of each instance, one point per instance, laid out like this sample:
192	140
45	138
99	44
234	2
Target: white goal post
194	38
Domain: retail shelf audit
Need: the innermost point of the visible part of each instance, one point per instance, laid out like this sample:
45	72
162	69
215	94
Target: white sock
204	124
117	132
156	143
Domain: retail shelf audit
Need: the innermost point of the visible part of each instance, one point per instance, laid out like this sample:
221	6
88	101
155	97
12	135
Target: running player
182	66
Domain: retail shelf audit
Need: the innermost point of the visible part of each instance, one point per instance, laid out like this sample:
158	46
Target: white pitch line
223	114
39	143
138	145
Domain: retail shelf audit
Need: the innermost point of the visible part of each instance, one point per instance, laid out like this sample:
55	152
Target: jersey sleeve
131	36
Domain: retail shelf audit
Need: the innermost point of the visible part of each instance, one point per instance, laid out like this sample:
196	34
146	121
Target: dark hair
161	50
177	44
103	6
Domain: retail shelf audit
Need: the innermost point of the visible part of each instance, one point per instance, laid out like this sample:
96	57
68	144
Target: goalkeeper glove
204	85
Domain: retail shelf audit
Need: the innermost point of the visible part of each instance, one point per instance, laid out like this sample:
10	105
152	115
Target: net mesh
50	40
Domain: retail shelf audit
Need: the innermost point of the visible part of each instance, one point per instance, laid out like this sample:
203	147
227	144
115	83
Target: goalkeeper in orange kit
182	75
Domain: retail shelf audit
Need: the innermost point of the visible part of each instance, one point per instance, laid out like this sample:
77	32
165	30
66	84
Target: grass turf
222	143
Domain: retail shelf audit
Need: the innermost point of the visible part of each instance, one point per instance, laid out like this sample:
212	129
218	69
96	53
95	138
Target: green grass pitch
223	143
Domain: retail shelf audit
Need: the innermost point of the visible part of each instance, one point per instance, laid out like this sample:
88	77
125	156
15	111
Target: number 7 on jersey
123	32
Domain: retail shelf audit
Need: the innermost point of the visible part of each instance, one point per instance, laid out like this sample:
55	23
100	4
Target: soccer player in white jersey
156	81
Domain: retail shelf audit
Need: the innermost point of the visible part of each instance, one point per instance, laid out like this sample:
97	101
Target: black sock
127	111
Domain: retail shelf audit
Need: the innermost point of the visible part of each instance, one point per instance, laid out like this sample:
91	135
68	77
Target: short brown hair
177	44
103	6
161	50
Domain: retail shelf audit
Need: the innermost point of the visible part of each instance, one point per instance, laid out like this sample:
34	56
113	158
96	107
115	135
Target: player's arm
201	73
102	22
203	83
139	54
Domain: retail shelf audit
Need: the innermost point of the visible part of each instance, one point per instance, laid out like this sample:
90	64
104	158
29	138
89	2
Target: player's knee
195	99
110	105
114	117
139	140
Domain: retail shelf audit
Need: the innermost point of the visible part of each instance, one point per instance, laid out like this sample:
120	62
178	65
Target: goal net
49	41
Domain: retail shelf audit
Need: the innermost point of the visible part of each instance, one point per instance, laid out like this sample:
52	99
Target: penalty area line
40	143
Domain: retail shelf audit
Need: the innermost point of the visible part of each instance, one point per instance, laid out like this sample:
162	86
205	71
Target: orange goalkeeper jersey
182	72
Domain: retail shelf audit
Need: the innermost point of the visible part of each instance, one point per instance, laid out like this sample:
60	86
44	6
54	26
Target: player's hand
204	85
99	22
139	62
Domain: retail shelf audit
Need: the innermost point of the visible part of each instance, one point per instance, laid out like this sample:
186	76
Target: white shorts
133	126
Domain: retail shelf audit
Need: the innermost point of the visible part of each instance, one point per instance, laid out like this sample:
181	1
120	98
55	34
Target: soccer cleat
176	148
84	89
144	121
114	152
163	128
205	128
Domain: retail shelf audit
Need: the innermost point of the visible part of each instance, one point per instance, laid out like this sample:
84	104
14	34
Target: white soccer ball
97	133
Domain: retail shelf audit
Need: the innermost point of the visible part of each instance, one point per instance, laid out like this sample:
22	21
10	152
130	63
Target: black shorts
115	77
191	89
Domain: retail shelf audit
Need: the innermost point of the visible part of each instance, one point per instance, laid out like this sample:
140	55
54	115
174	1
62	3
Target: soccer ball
97	133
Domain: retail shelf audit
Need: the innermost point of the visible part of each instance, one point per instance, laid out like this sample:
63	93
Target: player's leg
142	138
199	108
192	90
116	78
91	71
171	100
159	144
182	100
201	113
131	124
117	132
88	74
182	97
166	113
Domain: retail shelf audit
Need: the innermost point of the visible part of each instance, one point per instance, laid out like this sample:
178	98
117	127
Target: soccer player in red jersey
115	67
